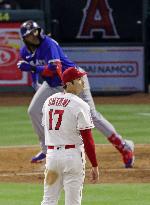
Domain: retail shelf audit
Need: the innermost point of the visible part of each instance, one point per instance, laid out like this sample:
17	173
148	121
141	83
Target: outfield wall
98	38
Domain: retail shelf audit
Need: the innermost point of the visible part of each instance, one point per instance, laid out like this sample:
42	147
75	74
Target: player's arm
53	65
89	146
84	125
34	76
24	64
52	57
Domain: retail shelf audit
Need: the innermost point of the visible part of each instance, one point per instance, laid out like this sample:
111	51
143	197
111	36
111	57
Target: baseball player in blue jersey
42	55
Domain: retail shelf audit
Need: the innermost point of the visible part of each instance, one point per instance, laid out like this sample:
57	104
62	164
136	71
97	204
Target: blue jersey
48	51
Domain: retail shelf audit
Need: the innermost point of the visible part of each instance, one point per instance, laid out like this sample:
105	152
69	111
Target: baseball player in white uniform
67	125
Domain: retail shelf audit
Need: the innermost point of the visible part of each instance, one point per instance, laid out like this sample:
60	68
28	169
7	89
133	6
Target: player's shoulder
50	40
79	102
59	94
47	44
56	95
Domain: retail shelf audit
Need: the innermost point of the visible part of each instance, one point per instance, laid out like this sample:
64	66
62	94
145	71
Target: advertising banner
10	43
111	68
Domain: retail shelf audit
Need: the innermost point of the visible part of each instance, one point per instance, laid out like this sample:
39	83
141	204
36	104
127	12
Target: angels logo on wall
97	17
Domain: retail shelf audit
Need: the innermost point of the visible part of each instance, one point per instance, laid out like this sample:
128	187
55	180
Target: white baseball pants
65	169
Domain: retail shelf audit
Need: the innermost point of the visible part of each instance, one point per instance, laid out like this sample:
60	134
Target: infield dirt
16	166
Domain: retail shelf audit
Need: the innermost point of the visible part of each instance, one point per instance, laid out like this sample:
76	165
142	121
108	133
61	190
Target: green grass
130	121
16	129
102	194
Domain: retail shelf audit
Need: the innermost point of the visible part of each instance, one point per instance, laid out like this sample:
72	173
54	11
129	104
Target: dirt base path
16	167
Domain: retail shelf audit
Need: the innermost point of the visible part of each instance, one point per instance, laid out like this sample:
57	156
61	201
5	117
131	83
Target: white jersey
64	114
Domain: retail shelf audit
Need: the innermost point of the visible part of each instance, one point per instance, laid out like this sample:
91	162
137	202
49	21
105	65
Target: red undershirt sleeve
89	146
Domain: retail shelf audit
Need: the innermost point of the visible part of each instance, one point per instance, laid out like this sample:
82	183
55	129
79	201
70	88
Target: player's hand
24	66
94	175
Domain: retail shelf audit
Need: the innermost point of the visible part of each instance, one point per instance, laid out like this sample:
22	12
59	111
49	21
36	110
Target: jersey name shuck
58	102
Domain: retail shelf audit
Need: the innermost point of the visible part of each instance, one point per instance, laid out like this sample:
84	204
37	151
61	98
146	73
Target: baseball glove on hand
25	66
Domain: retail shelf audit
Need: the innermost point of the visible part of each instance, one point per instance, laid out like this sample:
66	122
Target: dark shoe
38	158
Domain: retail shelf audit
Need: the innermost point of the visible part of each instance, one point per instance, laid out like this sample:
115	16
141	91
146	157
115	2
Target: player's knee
50	176
95	115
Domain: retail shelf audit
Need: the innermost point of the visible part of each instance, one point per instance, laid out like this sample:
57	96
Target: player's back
60	119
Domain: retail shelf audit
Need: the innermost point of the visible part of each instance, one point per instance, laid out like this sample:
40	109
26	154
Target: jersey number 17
56	116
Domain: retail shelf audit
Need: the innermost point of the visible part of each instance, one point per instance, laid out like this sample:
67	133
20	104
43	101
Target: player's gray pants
35	111
99	121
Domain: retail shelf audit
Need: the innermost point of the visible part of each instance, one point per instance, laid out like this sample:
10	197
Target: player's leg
125	147
53	182
51	194
73	191
35	113
74	177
